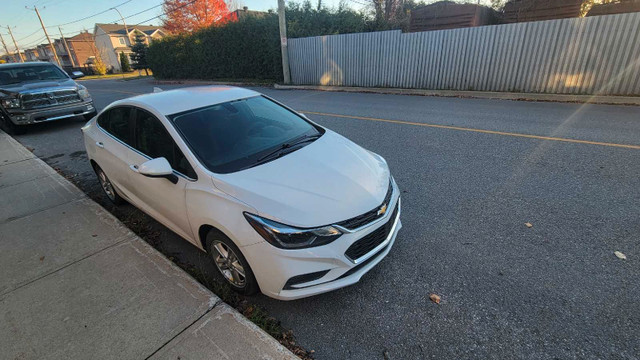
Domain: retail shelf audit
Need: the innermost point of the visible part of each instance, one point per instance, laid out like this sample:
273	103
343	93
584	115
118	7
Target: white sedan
281	204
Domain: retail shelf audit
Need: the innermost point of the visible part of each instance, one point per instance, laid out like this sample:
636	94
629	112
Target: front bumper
273	267
27	117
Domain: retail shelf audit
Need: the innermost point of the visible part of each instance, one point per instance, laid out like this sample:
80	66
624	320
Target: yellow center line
625	146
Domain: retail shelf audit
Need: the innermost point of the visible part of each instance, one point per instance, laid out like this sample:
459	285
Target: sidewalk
583	99
75	283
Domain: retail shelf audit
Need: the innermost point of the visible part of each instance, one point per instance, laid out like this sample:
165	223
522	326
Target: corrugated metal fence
594	55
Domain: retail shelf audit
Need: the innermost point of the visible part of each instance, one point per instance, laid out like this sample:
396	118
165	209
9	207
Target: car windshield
236	135
30	73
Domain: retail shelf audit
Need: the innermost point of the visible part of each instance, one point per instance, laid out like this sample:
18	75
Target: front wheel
90	116
231	264
12	128
108	188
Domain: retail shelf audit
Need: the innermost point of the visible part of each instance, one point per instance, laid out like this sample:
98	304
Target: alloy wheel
229	265
106	185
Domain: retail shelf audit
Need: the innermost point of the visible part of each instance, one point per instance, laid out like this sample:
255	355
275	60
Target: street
472	173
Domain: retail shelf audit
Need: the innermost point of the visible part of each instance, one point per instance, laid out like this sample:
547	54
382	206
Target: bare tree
388	10
234	5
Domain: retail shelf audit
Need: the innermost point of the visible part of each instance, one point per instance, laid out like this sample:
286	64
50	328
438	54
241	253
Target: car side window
153	140
117	122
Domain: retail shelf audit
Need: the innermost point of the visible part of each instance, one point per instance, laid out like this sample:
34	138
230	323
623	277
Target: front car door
112	146
159	197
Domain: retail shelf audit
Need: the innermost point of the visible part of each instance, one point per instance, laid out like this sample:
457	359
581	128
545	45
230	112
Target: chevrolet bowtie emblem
383	209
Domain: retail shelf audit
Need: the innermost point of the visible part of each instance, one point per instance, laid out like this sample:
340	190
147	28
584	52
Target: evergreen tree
124	63
139	55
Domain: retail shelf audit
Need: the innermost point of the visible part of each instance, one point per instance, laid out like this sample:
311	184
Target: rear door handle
100	144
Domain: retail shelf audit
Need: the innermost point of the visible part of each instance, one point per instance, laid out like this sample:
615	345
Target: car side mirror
76	74
158	168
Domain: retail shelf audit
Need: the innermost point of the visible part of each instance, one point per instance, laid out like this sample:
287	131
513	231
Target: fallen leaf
529	225
620	255
42	258
435	298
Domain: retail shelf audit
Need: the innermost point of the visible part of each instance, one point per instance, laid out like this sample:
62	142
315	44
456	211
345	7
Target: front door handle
100	144
134	168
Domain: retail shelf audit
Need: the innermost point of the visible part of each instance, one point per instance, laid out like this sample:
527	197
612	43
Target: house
450	15
112	39
242	13
11	57
45	53
82	48
6	58
31	54
61	51
537	10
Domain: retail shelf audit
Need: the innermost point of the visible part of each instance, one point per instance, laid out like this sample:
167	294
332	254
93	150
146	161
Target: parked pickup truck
35	92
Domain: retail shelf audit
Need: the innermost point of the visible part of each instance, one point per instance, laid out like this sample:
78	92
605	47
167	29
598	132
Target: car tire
88	117
107	187
231	264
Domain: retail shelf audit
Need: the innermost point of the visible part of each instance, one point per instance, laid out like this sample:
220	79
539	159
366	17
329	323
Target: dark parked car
35	92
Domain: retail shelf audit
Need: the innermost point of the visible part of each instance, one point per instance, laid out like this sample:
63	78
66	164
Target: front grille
369	216
51	98
373	239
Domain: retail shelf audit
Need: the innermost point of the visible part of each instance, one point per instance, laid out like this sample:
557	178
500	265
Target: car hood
36	86
327	181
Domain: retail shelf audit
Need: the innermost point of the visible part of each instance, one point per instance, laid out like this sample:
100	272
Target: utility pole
126	29
55	54
123	22
283	42
64	42
4	45
15	44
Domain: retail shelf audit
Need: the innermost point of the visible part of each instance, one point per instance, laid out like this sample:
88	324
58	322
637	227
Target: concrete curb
586	99
76	281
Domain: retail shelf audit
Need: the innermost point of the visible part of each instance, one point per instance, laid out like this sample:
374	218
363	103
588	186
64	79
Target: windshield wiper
280	151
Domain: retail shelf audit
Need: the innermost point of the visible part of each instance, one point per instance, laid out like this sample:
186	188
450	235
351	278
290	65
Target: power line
30	35
143	11
33	43
71	22
359	3
166	13
90	16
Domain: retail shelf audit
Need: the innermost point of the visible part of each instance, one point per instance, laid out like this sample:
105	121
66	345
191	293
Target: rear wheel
107	187
231	264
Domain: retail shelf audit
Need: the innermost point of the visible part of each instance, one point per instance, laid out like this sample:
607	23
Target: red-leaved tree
190	15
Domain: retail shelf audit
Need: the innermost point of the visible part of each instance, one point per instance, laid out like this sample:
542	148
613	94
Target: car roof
175	101
29	63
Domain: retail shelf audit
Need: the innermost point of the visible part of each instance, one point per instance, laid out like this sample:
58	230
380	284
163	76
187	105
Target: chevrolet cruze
281	204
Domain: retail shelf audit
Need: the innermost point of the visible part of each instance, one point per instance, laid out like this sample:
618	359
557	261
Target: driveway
472	172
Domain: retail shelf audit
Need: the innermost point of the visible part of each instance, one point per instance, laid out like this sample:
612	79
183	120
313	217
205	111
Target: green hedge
246	49
249	49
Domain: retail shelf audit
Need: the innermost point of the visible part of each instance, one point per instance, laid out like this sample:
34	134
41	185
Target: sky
74	16
69	13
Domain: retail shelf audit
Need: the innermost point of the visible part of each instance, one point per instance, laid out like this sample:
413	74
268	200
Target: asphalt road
555	290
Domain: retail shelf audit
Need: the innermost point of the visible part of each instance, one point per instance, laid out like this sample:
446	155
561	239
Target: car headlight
83	92
289	237
10	103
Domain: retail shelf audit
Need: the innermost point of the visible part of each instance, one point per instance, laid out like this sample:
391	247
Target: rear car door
112	146
159	197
